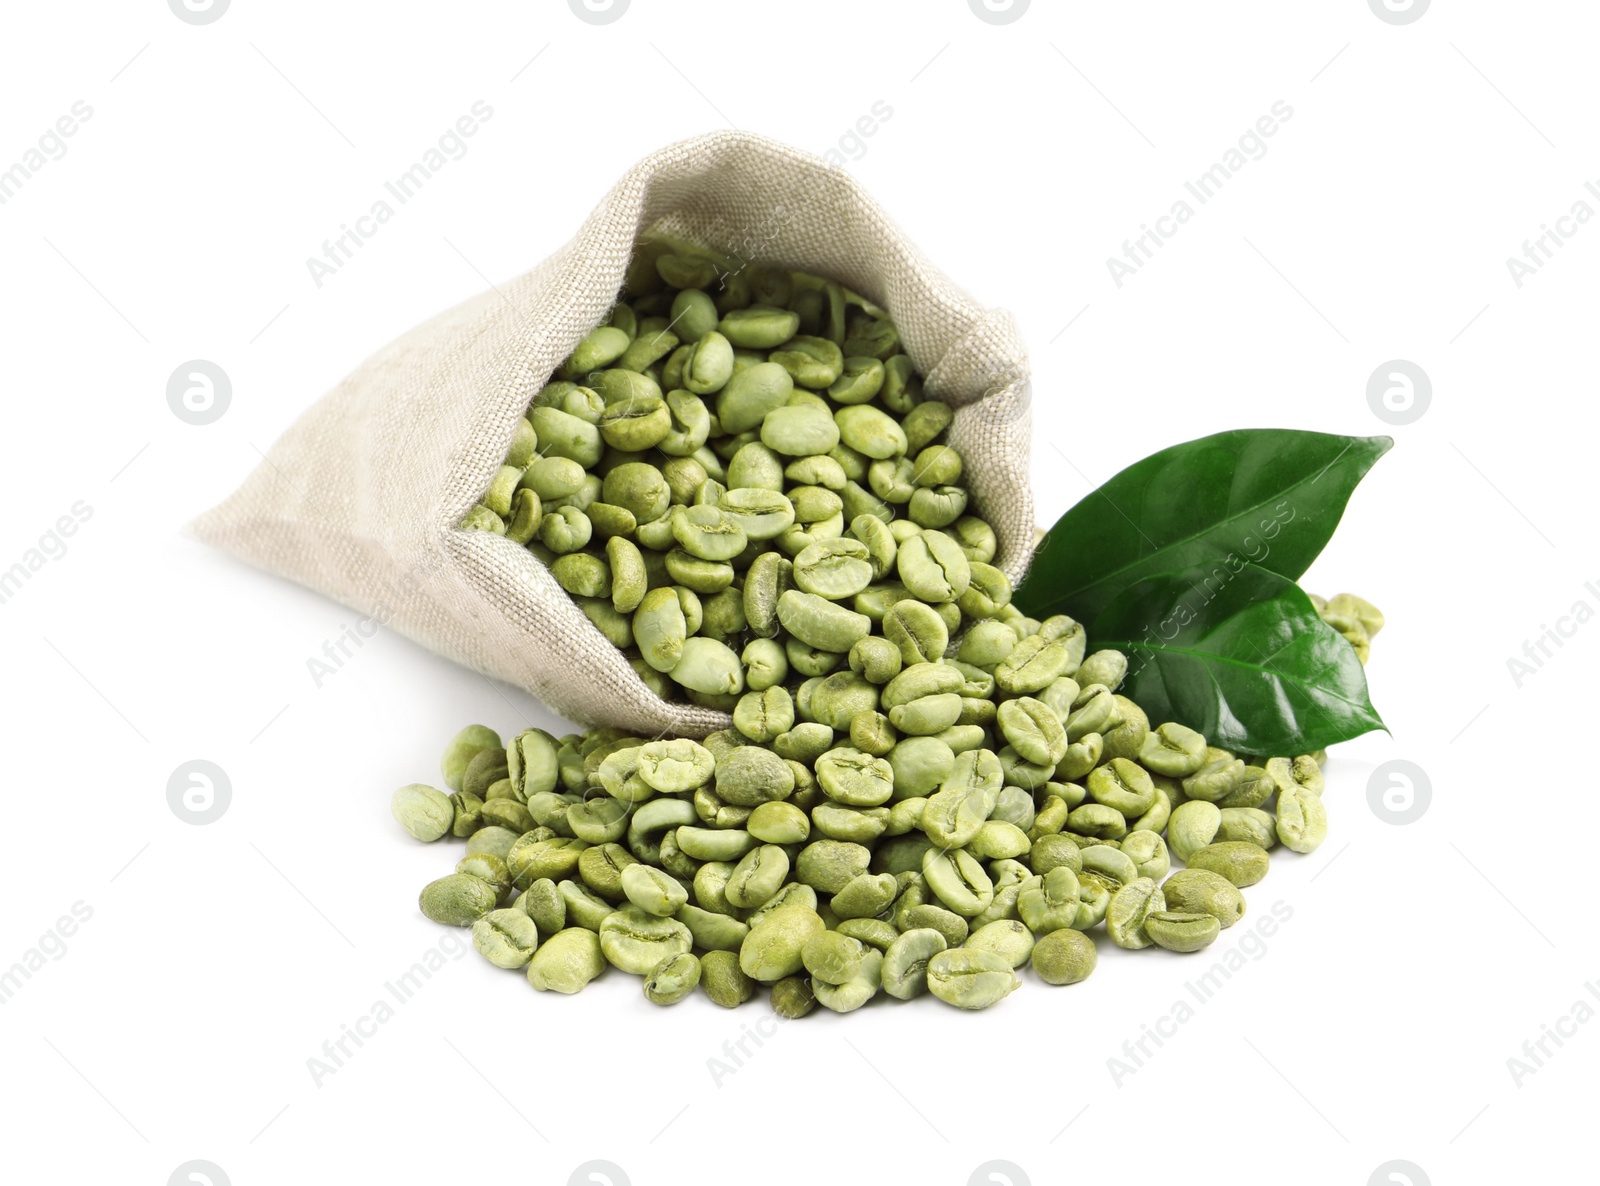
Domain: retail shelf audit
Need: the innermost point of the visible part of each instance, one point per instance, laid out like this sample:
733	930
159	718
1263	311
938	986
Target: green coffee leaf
1239	655
1266	497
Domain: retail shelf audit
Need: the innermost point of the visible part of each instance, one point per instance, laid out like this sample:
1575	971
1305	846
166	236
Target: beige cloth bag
361	497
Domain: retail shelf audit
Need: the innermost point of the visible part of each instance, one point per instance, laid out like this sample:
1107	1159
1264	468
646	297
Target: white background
1378	1021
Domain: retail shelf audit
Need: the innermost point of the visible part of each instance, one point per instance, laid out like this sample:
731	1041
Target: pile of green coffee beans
751	527
801	861
923	789
829	872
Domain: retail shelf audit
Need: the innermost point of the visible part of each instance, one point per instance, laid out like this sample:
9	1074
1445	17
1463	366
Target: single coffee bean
792	997
1201	891
1242	863
970	979
772	949
457	900
850	995
1064	957
567	961
1005	937
423	811
636	940
1130	907
1182	930
506	938
673	979
1302	820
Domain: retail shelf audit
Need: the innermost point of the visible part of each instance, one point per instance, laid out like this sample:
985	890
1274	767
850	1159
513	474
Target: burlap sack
361	498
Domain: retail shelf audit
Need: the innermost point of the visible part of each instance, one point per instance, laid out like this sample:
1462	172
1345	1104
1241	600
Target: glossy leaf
1267	497
1240	656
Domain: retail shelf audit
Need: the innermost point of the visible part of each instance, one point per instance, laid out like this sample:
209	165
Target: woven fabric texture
361	498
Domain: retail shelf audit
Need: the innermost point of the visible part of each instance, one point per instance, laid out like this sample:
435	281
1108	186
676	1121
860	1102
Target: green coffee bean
760	327
1242	863
707	366
1064	957
488	867
905	963
423	811
1006	937
543	903
673	979
491	839
1252	789
1250	824
832	958
1182	930
827	866
1215	780
1130	907
1148	852
1050	902
711	930
820	623
970	979
792	997
1035	733
506	938
758	875
874	932
1302	819
637	941
1204	892
1194	825
652	890
773	948
934	569
864	896
463	747
724	981
1173	750
567	961
457	900
959	880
